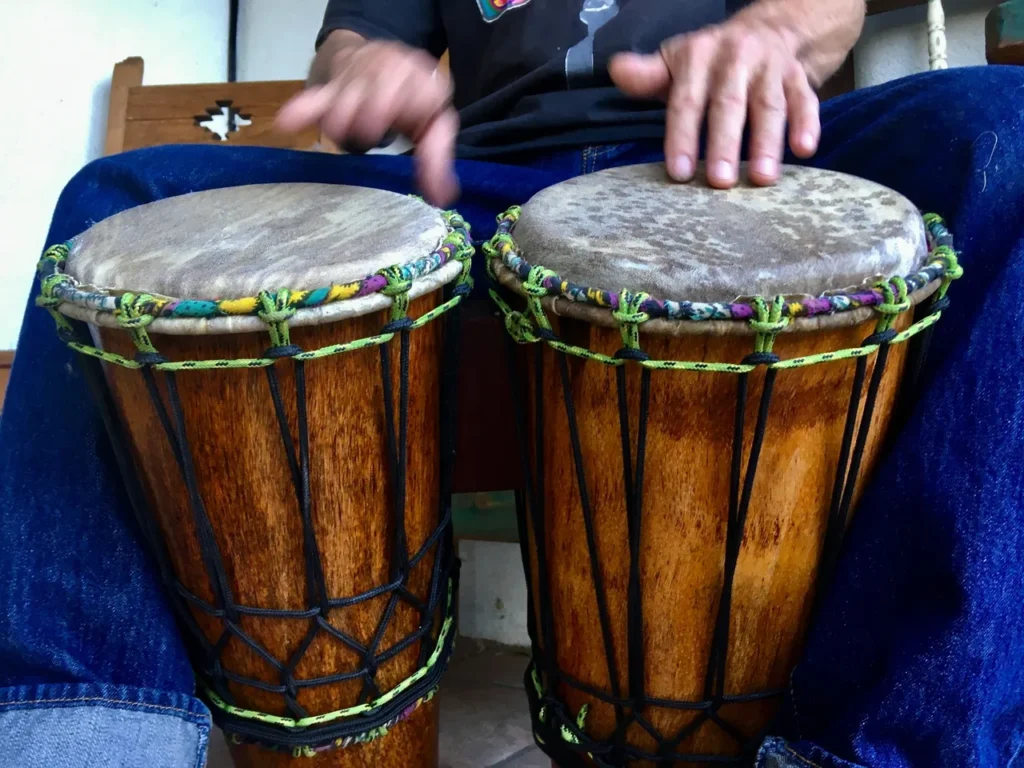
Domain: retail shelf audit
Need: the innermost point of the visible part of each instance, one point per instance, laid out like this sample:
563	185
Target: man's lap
926	572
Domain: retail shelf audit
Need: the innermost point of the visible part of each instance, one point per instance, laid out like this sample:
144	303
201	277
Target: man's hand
758	68
362	90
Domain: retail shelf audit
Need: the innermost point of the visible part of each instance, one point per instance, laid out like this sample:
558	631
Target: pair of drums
688	466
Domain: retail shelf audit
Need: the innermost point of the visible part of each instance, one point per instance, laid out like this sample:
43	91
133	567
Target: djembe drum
695	445
276	361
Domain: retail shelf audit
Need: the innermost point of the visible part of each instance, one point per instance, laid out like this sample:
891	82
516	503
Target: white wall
56	57
275	38
492	592
895	44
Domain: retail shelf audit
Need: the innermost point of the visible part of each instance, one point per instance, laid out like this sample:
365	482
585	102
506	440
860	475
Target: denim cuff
779	753
101	726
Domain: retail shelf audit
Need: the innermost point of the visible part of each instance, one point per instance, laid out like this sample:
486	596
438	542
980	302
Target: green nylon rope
260	362
768	321
274	311
518	323
358	709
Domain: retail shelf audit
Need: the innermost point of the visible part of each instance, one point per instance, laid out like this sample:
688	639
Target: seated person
916	658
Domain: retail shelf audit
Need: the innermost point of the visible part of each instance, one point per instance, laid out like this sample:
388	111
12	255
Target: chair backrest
240	113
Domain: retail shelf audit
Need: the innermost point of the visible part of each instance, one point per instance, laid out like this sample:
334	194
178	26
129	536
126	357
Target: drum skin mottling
235	242
633	228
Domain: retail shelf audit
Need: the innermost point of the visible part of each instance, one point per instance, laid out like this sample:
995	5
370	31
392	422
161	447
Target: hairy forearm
333	44
821	32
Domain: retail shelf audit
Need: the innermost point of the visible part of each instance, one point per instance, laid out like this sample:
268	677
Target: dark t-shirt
533	74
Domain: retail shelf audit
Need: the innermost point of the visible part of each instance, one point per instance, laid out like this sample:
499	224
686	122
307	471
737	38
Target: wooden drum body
691	465
295	492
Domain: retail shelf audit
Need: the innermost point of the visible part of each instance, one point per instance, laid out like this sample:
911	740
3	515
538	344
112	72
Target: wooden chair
237	113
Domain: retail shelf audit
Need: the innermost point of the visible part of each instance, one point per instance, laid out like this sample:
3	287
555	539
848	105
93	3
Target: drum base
413	743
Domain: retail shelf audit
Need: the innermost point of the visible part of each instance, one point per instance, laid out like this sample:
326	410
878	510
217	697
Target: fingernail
807	142
764	166
723	171
681	168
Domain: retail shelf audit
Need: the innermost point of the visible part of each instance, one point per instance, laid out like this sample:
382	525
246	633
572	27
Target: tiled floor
484	720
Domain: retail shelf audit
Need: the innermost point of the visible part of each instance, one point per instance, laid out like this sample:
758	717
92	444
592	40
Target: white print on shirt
579	60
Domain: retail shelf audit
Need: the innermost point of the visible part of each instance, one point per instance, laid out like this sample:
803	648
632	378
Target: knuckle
742	44
685	101
700	47
729	100
768	102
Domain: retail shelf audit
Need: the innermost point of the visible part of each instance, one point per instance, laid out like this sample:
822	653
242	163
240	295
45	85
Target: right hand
375	88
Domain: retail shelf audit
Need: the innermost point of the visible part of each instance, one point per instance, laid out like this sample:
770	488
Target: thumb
641	76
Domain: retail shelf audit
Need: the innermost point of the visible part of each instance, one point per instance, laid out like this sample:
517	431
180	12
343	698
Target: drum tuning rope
563	735
300	733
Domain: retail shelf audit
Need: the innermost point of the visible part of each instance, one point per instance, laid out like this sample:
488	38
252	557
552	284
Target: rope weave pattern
549	283
562	734
301	734
65	288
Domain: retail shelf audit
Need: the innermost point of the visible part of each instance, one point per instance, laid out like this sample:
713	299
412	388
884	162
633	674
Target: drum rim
831	309
312	306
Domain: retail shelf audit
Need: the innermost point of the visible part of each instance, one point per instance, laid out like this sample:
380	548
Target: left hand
739	71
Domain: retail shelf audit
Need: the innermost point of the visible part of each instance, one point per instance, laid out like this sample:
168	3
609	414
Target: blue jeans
916	659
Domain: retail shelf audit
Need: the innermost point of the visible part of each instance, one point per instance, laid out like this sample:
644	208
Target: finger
336	122
306	108
767	101
422	98
639	76
435	153
384	100
803	110
690	61
727	114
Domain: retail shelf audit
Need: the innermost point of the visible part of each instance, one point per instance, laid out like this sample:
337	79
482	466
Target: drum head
227	245
632	228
